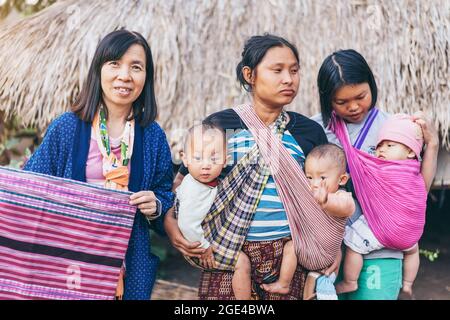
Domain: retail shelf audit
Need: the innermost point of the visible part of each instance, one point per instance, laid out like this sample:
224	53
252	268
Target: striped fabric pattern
317	236
270	220
238	194
60	238
392	194
228	221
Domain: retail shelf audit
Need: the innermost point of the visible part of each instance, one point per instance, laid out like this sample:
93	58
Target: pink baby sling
317	236
392	194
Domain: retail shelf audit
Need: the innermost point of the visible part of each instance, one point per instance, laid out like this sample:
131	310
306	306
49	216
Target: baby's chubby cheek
377	153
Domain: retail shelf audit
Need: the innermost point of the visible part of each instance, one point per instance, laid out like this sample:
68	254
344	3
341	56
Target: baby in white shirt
204	156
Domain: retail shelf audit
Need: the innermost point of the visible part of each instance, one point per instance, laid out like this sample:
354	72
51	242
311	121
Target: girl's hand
146	202
191	249
430	134
431	140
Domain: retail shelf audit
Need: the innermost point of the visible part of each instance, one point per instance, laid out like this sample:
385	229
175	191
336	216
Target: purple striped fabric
317	236
60	238
392	194
365	130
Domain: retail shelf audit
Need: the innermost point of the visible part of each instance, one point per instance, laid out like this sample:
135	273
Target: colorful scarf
60	238
392	194
115	171
317	236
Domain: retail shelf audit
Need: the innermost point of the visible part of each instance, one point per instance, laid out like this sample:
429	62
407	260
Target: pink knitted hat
401	128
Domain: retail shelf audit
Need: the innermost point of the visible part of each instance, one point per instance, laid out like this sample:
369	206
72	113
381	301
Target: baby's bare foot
346	286
407	290
276	287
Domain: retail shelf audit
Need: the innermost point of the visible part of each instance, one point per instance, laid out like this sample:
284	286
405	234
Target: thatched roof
442	177
197	44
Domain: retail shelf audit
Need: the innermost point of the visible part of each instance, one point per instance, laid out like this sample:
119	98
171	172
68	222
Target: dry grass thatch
196	45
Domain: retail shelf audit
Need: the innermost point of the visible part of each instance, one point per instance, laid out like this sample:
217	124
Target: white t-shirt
195	200
369	146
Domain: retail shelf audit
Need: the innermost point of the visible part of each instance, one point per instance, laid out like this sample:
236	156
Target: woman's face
277	78
123	80
352	102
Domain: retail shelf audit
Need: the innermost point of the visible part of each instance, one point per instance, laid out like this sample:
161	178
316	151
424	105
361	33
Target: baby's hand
207	259
321	194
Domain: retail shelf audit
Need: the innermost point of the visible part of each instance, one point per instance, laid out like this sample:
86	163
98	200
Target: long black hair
344	67
112	47
255	49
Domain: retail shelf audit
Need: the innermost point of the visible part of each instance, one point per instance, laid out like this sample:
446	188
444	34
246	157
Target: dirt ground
433	280
432	283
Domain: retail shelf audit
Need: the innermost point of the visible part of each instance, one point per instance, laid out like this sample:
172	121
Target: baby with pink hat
399	139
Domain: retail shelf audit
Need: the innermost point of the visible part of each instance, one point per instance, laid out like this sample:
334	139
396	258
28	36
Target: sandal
268	278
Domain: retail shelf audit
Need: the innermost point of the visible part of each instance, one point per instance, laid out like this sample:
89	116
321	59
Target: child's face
391	150
326	170
352	102
206	155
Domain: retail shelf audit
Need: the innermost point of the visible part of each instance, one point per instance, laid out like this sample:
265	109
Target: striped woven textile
392	194
60	238
228	221
317	236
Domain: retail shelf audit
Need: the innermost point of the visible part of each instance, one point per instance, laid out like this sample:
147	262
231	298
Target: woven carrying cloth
317	236
227	223
59	238
392	194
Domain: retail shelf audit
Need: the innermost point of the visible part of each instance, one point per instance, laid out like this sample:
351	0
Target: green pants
380	279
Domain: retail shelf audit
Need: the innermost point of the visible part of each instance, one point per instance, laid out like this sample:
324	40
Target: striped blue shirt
270	220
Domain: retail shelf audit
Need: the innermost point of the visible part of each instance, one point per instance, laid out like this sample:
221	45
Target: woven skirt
265	258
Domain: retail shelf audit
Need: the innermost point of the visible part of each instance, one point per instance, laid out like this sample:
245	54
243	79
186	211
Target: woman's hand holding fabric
146	202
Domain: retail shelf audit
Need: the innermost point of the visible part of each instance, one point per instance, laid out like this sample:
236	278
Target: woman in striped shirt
269	71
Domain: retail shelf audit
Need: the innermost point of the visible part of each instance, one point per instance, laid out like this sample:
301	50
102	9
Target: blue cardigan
64	152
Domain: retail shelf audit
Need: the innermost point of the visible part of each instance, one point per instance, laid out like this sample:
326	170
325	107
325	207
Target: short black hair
112	47
343	67
255	49
204	127
330	151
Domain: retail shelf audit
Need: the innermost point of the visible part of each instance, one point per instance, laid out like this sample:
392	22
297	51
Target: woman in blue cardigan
111	138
